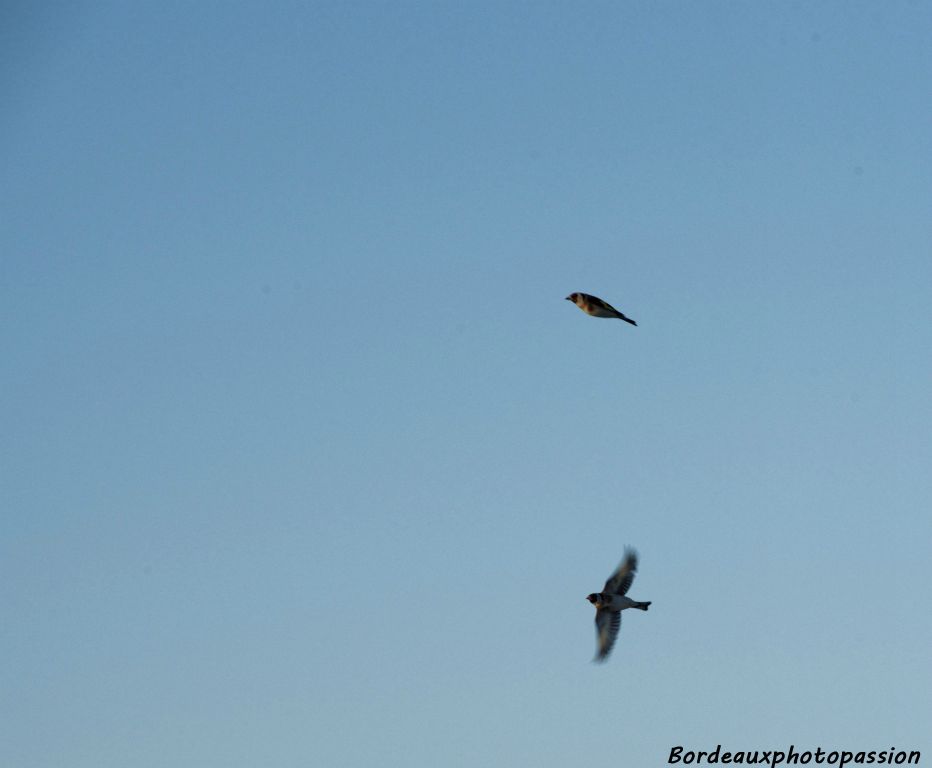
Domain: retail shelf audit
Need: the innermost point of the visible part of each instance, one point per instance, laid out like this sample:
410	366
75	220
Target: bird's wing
607	624
603	304
620	581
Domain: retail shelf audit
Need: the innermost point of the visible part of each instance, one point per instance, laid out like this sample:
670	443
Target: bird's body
593	305
616	602
611	601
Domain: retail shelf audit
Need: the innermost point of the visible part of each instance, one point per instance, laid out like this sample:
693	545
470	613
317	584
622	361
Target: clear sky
307	462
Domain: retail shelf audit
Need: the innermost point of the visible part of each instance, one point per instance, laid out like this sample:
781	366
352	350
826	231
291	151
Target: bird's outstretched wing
607	624
620	581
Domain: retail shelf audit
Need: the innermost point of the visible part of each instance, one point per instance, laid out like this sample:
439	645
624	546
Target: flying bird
593	305
611	601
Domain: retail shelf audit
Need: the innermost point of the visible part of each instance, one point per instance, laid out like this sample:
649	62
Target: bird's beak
569	298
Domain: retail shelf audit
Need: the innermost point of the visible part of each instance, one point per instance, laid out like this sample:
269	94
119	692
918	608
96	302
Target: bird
593	305
611	601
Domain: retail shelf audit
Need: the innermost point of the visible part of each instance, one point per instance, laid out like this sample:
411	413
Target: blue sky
308	462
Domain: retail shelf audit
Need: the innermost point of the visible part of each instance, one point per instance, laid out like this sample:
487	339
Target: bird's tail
642	606
626	319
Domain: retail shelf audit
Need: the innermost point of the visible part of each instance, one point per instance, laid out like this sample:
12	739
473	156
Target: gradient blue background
306	461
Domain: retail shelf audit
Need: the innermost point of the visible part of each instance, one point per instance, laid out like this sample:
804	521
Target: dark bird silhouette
611	601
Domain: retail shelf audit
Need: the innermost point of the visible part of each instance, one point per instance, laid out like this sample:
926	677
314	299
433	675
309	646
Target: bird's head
593	598
572	297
